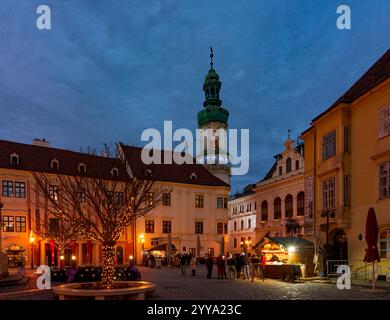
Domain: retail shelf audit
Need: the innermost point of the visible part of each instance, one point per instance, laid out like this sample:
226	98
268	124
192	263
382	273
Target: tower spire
211	57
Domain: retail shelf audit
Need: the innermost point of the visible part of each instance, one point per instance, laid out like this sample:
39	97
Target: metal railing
360	270
332	265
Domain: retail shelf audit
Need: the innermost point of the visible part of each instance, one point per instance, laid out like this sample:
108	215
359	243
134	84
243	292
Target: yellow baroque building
347	171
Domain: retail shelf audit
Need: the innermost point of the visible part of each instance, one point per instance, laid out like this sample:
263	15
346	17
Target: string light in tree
108	265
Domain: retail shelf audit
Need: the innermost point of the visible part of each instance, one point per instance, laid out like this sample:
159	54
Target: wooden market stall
287	258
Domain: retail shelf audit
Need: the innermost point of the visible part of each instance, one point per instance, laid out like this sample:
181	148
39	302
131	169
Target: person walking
183	263
255	266
209	265
231	267
245	265
263	263
221	268
193	265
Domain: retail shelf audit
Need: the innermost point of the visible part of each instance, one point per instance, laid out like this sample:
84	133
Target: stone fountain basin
122	290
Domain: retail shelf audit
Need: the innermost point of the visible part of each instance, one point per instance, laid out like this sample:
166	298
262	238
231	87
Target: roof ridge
58	149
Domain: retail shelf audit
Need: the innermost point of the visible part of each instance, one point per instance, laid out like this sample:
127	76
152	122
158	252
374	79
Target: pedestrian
183	263
134	272
245	265
21	269
255	266
193	265
238	266
263	264
221	266
231	266
209	265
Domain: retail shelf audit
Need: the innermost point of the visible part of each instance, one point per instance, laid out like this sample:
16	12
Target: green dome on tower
212	105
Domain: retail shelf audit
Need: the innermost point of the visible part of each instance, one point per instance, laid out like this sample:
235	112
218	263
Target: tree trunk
108	265
61	253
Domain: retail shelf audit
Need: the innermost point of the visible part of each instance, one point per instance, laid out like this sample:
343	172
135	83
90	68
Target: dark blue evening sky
110	69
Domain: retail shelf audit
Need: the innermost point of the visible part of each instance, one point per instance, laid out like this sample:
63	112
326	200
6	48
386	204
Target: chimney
41	143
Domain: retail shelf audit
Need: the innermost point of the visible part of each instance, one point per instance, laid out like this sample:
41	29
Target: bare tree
99	208
61	231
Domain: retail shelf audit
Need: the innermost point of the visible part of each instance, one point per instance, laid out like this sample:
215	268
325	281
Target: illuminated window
20	224
53	192
149	226
149	198
199	201
166	199
8	224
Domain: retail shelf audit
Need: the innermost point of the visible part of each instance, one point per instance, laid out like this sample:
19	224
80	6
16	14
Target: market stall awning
294	242
264	238
161	247
285	242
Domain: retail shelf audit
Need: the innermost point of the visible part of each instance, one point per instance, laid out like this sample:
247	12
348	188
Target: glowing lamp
291	249
73	258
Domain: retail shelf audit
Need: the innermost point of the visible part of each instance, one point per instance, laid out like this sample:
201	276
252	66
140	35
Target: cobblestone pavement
173	286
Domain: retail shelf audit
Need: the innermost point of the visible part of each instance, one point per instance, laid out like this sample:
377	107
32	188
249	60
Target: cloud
109	70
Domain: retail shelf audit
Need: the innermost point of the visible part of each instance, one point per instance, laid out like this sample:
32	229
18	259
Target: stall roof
293	241
161	247
286	242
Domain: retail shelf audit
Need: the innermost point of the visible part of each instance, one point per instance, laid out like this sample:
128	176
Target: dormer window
14	159
115	172
193	176
55	164
82	168
148	173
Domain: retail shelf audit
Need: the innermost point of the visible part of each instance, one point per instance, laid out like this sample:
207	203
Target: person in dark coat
221	266
209	265
238	266
231	263
183	263
244	264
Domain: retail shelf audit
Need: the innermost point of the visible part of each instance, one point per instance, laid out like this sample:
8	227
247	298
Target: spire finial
211	57
289	134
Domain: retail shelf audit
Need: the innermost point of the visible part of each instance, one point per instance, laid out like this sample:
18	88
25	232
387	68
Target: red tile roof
38	159
170	172
379	72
